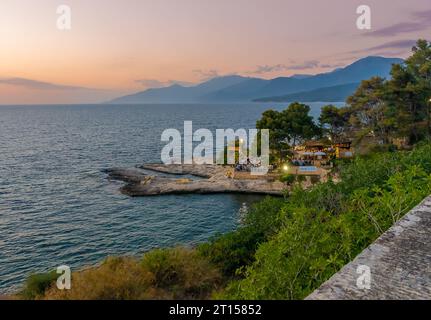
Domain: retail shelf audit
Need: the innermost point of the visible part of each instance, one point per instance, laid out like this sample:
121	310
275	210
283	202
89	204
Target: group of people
245	167
301	163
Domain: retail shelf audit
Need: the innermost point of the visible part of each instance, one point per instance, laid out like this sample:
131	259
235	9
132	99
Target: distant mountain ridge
326	94
245	89
180	94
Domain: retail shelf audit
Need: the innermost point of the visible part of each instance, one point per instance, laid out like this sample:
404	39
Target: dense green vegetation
287	247
233	251
326	227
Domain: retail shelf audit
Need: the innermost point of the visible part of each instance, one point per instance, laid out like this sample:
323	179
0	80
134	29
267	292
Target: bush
234	250
115	279
314	179
181	274
288	178
301	178
304	253
37	284
387	204
162	274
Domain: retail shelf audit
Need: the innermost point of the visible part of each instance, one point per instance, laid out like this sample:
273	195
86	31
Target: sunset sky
120	47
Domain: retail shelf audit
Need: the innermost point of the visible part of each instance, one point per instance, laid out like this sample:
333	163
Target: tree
368	108
409	92
299	124
272	121
400	106
289	126
333	120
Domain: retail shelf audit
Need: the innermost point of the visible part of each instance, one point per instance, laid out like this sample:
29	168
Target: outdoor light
241	141
285	168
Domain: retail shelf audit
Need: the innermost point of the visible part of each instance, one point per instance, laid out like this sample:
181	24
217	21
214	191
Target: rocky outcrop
204	171
217	180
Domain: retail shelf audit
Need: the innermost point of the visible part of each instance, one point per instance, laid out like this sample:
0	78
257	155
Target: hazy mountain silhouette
243	89
301	76
326	94
356	72
177	93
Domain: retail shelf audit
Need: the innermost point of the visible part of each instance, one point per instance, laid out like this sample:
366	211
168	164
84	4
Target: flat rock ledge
399	263
212	179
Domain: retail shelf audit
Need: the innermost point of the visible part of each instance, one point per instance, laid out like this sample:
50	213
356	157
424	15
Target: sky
119	47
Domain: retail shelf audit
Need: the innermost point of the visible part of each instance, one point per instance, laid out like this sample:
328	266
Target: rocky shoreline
211	179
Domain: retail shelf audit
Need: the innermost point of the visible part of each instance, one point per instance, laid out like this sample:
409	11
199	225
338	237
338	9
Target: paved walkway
399	264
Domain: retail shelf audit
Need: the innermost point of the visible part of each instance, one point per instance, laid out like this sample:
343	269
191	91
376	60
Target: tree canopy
290	126
332	121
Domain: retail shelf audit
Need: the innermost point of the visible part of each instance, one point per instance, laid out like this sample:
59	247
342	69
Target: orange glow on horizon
112	44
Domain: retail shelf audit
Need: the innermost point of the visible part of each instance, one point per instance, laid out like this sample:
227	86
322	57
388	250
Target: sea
57	206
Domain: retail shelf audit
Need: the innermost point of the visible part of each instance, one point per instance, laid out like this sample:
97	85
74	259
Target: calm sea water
56	205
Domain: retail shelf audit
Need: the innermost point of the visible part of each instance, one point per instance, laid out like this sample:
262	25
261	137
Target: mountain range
325	87
326	94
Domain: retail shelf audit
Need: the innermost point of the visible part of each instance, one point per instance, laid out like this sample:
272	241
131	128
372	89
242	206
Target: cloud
262	69
40	85
267	69
397	44
330	66
423	22
310	64
153	83
206	74
396	29
426	15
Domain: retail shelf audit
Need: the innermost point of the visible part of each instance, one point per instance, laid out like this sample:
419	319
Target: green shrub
177	273
301	178
117	278
234	250
297	260
181	273
37	284
384	205
288	178
314	179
